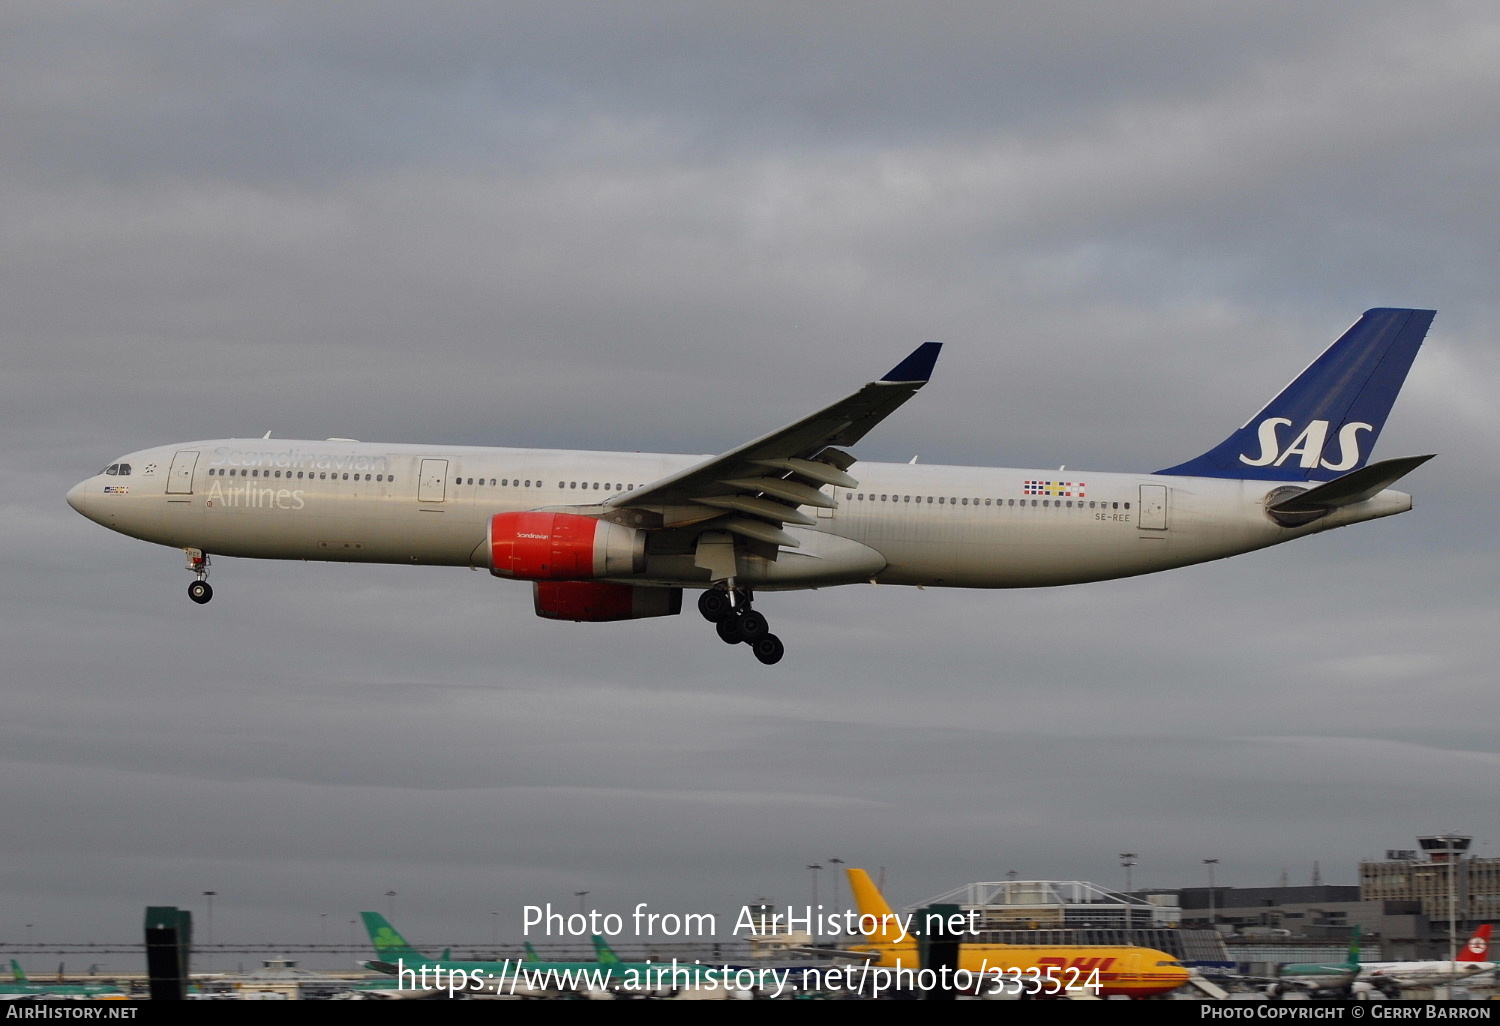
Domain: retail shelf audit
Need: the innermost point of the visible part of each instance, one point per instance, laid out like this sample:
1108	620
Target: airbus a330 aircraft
618	536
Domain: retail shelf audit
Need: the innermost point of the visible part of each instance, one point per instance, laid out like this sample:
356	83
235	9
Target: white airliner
1473	959
618	536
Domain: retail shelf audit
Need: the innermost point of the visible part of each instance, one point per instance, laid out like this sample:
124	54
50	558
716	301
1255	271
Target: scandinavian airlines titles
1308	445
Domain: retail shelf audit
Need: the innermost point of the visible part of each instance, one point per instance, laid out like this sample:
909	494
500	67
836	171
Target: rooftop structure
1056	904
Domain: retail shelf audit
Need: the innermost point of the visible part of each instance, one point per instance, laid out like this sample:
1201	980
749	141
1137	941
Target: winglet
918	366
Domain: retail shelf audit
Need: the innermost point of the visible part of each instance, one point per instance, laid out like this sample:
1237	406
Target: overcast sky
673	227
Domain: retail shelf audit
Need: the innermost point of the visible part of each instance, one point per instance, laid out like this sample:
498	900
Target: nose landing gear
728	609
197	561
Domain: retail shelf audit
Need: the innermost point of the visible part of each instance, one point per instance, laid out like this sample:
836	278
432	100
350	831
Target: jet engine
535	546
598	601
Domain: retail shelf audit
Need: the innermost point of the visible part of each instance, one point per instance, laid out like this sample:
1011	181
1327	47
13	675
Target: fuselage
931	525
1423	974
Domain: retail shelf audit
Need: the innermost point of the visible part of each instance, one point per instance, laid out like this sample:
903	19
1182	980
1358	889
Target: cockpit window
124	469
111	470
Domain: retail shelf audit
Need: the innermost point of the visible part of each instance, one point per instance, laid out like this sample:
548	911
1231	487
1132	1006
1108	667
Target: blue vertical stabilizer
1324	423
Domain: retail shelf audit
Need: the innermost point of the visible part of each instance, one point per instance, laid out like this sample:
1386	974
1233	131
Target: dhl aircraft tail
870	902
1478	947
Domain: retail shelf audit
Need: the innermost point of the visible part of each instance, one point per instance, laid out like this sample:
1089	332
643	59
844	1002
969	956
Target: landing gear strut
728	609
197	561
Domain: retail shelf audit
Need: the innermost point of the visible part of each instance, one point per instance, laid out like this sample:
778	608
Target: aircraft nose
81	498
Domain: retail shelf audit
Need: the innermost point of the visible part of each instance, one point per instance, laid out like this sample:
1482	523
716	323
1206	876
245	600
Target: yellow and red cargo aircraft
1086	970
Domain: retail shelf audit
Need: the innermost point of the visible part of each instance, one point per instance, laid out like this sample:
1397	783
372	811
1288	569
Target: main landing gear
197	561
728	609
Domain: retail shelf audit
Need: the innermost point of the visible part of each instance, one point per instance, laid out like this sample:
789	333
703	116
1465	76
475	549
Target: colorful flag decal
1066	489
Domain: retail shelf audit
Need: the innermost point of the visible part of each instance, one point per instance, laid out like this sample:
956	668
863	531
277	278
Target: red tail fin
1478	948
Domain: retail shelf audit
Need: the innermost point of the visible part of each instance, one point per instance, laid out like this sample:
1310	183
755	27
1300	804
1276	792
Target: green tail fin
389	944
604	952
16	973
531	955
1354	947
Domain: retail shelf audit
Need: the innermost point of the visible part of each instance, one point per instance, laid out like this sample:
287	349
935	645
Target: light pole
1127	859
580	896
815	867
836	863
495	932
209	939
1212	916
390	906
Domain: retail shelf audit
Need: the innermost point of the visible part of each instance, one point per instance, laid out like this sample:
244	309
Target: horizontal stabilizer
1351	488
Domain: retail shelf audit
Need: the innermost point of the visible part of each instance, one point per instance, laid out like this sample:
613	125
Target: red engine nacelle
562	547
597	601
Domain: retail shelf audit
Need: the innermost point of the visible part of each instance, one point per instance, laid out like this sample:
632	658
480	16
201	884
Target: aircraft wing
765	480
